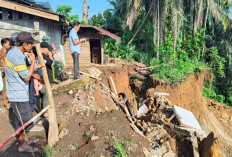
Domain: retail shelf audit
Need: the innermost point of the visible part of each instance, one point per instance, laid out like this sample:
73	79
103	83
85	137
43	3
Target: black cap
45	45
26	37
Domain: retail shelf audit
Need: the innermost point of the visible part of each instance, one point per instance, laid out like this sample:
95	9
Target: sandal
29	149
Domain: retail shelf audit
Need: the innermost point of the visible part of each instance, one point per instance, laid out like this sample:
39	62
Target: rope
20	118
22	124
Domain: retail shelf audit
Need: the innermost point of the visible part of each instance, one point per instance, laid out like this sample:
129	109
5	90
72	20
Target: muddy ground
95	128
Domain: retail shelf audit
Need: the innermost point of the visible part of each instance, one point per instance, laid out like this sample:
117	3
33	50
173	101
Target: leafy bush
209	92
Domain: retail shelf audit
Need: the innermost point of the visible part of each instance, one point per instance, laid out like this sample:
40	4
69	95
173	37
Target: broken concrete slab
186	118
94	71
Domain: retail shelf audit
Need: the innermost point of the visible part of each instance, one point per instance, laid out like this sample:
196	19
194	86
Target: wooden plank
53	126
28	10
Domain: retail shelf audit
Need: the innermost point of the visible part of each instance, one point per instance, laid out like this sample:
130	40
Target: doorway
95	50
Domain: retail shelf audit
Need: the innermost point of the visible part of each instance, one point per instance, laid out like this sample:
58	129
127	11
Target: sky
95	6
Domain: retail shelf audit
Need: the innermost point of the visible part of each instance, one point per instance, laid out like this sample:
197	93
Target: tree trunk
152	3
206	18
191	12
158	30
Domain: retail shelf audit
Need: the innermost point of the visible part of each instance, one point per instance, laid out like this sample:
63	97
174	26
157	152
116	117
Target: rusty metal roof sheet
103	32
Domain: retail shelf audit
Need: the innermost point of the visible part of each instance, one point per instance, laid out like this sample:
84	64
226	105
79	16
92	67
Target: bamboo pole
53	126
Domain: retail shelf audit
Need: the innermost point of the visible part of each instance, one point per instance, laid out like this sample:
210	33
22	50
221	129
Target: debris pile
171	130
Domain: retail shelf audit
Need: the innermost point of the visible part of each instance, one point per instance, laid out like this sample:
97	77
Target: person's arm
37	77
75	38
39	66
31	68
76	42
53	49
2	62
49	62
51	58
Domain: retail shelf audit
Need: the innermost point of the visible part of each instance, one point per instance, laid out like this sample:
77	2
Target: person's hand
53	46
82	40
39	66
31	56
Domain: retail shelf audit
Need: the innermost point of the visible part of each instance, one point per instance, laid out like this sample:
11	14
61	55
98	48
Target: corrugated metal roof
104	32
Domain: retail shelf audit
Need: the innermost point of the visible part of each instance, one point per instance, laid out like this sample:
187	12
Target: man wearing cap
18	76
75	48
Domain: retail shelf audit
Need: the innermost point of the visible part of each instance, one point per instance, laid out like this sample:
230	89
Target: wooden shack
92	51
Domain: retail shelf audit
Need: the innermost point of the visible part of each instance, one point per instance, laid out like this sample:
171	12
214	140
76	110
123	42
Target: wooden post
53	126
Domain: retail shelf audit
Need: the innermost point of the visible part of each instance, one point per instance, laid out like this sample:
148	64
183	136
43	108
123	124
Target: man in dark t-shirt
47	56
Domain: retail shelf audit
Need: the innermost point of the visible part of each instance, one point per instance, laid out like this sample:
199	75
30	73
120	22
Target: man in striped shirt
18	76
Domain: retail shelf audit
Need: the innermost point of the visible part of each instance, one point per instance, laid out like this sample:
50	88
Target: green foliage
73	147
216	62
118	50
86	134
209	92
66	10
107	20
48	151
97	20
175	64
120	147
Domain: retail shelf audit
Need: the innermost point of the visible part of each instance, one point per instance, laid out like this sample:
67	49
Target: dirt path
6	129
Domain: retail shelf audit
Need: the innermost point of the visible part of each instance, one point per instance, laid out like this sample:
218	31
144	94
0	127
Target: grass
86	134
73	147
119	148
48	151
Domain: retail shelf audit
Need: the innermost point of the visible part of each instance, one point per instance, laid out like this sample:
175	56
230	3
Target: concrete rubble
171	130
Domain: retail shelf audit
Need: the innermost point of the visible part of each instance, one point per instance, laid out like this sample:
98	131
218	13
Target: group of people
23	78
23	81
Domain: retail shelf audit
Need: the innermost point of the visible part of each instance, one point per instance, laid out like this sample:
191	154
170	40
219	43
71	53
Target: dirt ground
94	126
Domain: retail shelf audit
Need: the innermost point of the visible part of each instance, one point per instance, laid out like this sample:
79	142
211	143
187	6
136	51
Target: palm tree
201	12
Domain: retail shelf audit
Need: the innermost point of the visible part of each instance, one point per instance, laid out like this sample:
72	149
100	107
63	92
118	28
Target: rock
225	116
94	138
165	147
91	128
76	95
70	92
63	124
63	133
92	98
169	154
210	146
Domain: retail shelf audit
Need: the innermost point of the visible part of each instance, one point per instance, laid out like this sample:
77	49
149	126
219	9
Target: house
20	15
92	50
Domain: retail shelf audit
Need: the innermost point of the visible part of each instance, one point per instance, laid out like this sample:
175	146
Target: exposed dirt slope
212	116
